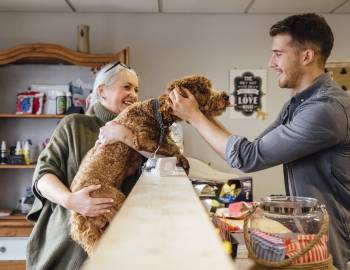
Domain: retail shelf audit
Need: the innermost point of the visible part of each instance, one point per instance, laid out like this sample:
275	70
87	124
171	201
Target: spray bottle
26	153
3	156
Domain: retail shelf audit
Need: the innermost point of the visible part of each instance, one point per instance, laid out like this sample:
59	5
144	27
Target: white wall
165	47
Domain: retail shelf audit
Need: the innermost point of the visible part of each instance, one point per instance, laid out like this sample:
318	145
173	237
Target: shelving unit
13	227
32	116
7	166
42	60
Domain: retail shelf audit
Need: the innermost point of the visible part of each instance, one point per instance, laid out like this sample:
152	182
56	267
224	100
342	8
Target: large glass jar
285	231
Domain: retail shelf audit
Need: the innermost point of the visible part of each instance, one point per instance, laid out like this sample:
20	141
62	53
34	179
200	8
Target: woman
50	246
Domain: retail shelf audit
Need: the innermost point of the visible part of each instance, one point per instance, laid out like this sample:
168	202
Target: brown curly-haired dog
109	165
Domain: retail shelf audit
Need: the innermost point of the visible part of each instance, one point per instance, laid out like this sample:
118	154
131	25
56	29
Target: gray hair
107	77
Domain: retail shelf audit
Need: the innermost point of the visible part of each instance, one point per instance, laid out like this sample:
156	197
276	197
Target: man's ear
309	56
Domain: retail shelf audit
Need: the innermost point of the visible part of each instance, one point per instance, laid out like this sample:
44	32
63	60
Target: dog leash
159	118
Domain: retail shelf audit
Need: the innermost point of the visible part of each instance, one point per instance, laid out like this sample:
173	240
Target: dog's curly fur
109	165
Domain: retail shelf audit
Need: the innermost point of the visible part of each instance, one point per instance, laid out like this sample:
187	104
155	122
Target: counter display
162	225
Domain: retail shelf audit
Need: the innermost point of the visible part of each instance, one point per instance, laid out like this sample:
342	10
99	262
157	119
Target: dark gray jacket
311	138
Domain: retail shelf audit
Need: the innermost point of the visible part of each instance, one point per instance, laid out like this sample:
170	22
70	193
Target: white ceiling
34	5
138	6
178	6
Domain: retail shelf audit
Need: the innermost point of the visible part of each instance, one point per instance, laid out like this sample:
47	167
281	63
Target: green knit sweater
50	246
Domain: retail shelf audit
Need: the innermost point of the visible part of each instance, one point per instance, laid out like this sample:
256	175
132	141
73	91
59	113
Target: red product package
29	102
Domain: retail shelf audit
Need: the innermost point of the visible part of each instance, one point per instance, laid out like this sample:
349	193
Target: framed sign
340	72
248	91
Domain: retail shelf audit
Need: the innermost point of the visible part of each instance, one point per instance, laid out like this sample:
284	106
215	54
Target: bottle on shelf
3	151
69	101
26	153
18	150
60	102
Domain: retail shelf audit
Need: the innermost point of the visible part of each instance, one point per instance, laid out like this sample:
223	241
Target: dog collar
159	118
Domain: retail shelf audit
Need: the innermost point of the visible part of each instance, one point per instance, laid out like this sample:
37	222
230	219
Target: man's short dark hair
305	30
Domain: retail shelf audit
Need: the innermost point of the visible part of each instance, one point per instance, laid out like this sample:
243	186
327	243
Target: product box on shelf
30	102
55	97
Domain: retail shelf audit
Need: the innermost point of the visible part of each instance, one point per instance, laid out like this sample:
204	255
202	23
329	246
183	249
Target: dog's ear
172	85
177	84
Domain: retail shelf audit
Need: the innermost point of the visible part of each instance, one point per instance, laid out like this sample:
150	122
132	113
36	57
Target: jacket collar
101	113
312	89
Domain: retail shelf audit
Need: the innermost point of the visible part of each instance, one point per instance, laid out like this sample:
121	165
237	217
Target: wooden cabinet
20	67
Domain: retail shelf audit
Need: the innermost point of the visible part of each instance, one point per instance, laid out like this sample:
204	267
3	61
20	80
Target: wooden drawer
13	248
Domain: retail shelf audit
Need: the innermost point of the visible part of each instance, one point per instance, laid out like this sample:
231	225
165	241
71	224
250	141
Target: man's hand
81	202
185	108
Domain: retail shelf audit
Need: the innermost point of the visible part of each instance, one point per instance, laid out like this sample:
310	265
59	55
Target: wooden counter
162	225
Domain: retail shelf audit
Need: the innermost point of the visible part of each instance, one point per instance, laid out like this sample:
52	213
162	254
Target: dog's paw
183	162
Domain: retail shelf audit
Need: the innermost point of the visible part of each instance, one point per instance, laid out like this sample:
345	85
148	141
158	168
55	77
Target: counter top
162	225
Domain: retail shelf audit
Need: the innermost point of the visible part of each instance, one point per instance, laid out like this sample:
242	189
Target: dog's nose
226	97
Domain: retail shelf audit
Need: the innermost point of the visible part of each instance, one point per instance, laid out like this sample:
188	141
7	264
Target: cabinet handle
2	249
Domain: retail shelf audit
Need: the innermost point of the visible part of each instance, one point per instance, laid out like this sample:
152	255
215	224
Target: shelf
41	53
7	166
41	116
37	54
13	265
15	225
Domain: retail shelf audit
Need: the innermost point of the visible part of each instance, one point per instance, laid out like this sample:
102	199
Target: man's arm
316	126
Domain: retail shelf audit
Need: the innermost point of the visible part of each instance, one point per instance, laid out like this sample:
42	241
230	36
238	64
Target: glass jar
285	231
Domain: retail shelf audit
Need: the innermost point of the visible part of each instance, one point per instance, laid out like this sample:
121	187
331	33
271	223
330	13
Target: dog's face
211	102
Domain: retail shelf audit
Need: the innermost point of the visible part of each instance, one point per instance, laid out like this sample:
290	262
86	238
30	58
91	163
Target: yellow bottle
18	150
26	153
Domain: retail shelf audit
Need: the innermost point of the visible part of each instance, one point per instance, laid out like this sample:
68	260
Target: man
310	137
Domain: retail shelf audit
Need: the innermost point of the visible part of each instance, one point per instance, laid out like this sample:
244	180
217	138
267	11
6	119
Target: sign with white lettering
248	91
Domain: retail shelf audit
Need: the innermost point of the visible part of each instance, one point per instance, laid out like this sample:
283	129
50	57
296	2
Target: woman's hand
112	132
81	202
54	190
185	108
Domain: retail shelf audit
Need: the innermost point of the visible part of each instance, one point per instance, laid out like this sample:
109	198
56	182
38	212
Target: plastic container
288	232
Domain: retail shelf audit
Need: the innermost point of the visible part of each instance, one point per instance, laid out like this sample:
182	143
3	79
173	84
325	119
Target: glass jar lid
289	205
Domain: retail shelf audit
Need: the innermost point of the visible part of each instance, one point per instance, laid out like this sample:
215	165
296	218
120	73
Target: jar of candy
289	233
